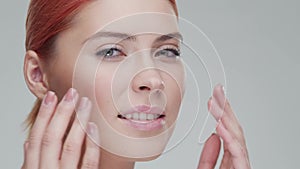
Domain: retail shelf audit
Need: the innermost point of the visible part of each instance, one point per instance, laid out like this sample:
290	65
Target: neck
111	161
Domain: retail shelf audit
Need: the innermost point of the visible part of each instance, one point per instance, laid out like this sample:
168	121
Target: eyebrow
175	35
125	36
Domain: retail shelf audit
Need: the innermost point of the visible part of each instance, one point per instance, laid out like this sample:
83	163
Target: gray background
258	42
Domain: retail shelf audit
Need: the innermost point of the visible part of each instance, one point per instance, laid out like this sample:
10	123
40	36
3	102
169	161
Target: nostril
144	88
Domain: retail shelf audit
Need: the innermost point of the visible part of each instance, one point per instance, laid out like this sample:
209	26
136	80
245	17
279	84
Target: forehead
129	16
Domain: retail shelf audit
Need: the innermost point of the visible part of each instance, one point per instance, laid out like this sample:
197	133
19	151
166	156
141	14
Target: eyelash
175	53
105	52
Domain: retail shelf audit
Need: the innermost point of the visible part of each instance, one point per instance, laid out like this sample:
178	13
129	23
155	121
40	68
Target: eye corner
111	52
169	51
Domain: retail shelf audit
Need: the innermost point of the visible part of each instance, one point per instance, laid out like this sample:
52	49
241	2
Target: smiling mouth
143	121
140	116
144	118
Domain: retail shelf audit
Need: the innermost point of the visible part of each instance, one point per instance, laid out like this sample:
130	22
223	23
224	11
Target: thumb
210	152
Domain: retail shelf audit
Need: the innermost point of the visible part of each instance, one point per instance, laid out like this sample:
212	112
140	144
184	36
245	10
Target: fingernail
70	95
223	90
26	144
92	131
215	109
91	128
83	103
209	104
49	98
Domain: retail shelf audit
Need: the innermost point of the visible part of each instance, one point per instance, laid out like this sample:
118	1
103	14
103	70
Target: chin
145	159
135	149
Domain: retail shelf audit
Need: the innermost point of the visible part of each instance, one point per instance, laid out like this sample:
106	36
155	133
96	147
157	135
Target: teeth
156	116
128	116
135	116
150	117
141	116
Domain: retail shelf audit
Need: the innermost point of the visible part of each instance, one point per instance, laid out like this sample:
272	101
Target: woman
123	78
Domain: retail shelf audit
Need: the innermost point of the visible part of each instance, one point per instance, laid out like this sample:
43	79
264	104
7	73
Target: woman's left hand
229	130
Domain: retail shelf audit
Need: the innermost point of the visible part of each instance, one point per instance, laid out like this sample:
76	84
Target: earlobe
34	75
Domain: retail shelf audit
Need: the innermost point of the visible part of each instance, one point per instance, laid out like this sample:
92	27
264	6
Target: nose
147	81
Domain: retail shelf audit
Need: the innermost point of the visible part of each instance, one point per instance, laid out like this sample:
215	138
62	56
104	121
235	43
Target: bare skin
52	145
229	130
45	147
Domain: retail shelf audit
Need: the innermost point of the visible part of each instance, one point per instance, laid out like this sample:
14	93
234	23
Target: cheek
174	98
103	94
60	82
103	87
174	90
175	86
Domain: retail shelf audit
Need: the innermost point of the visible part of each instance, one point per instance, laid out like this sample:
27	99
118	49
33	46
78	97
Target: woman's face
126	59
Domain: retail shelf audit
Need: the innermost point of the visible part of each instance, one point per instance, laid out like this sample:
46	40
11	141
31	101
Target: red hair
45	20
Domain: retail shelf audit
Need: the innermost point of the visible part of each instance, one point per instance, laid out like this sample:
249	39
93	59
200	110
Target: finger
221	108
72	147
222	102
239	156
92	153
226	160
210	153
231	124
46	111
52	139
234	129
214	108
219	100
219	96
229	114
25	148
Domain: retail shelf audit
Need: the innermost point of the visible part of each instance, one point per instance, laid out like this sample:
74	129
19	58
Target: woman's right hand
50	146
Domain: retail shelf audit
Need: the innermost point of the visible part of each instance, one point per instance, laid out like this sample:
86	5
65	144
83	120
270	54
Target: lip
145	109
145	125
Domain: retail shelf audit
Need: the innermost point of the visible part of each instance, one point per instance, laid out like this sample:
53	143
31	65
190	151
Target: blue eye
110	53
168	52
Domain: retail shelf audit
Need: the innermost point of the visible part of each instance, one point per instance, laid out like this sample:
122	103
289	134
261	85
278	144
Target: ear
34	76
